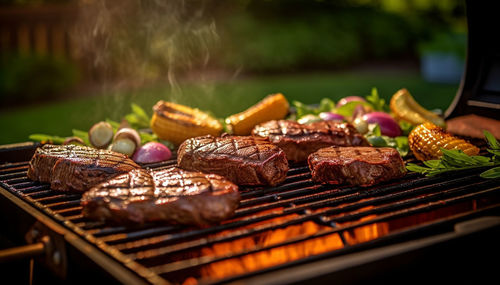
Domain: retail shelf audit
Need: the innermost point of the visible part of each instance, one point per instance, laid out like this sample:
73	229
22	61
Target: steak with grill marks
244	160
300	140
171	195
76	168
363	166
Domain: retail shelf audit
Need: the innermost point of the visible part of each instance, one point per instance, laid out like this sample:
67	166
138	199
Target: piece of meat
76	168
473	126
245	160
300	140
171	195
363	166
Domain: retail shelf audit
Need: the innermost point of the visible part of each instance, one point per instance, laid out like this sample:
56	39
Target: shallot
388	126
152	152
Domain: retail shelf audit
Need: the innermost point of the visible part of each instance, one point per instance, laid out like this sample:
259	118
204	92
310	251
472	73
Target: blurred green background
67	64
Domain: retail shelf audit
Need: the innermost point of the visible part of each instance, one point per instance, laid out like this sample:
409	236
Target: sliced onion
388	126
152	152
329	116
307	119
348	99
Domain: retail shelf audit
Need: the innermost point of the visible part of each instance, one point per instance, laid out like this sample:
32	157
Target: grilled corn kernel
273	107
405	108
176	123
426	140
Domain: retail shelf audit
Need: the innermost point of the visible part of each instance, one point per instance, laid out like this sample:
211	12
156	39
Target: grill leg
31	250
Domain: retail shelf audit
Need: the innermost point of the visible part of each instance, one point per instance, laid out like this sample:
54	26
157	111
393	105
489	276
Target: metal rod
20	252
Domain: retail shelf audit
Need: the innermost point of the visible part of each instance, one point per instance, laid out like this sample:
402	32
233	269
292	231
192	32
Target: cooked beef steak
76	168
362	166
244	160
300	140
172	195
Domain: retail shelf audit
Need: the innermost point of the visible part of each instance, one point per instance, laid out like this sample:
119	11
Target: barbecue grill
413	229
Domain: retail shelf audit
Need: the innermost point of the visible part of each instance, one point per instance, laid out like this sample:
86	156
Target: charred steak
300	140
76	168
362	166
172	195
244	160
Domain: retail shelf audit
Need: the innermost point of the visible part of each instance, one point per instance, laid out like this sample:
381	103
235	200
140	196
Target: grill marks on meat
172	195
244	160
76	168
300	140
362	166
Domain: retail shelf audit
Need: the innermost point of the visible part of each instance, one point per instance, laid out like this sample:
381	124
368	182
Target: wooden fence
43	30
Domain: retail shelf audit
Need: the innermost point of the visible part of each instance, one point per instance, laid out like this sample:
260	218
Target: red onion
152	152
329	116
388	126
348	99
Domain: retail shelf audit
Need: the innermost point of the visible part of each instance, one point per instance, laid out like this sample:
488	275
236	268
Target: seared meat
362	166
172	195
300	140
76	168
244	160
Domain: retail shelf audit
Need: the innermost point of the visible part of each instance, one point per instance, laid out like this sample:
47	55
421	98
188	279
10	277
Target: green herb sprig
454	160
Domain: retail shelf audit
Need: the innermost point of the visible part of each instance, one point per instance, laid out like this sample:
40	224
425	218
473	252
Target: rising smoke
128	43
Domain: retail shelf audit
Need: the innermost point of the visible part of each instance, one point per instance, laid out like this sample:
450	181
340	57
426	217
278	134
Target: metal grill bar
336	209
402	210
200	261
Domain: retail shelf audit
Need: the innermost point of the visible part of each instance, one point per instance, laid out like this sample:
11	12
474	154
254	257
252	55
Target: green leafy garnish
376	139
405	127
326	105
47	138
138	119
114	124
377	103
82	135
492	173
454	160
347	109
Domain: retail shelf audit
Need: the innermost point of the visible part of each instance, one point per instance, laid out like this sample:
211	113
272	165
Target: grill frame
116	265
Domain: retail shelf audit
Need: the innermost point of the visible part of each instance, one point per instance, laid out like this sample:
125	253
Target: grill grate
274	227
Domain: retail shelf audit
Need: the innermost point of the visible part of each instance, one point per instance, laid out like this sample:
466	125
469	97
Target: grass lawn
221	98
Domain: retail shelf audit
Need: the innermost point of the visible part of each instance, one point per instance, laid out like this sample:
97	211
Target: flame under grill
274	227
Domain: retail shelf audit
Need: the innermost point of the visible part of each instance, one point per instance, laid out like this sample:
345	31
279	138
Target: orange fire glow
270	257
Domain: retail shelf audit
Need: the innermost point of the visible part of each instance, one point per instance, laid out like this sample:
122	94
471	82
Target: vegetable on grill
101	134
152	152
405	108
427	139
454	160
273	107
176	123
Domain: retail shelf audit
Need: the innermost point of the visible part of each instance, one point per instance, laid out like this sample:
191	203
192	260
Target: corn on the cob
176	123
273	107
426	140
405	108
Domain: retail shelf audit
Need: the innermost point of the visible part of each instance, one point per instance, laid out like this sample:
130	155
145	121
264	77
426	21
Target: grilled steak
362	166
76	168
244	160
300	140
172	195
